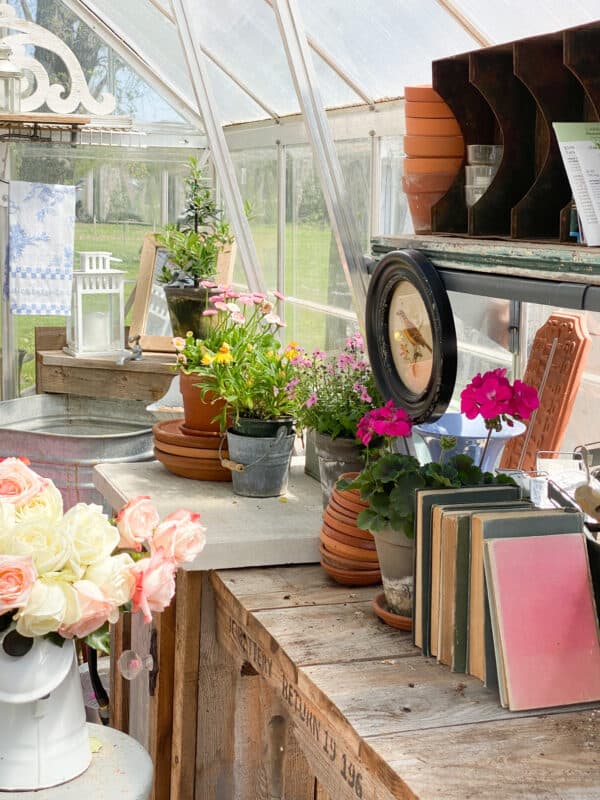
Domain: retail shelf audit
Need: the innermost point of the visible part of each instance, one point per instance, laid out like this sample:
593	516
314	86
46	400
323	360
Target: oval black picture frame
390	275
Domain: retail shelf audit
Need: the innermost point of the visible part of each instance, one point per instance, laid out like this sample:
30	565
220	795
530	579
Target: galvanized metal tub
65	436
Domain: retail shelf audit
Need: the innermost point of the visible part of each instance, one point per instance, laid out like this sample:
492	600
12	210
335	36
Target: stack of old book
504	592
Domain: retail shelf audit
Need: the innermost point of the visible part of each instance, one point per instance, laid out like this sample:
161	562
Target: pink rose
154	584
136	521
18	483
17	576
180	536
94	610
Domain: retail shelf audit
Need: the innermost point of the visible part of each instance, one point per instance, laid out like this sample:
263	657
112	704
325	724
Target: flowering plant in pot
388	483
195	244
333	392
242	362
65	576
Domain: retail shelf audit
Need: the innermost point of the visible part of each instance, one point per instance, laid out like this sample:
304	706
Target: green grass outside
307	275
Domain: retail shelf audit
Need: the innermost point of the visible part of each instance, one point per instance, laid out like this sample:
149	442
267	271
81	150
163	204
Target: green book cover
462	515
425	499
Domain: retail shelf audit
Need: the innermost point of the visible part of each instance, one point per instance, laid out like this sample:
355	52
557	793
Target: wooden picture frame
149	313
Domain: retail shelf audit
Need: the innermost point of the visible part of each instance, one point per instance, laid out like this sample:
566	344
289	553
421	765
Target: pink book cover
547	620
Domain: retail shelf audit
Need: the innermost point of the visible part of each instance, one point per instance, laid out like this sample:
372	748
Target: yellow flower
223	357
270	353
206	360
250	348
225	348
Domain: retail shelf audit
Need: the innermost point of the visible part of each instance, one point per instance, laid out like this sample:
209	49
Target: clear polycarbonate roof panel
505	20
232	104
245	38
384	45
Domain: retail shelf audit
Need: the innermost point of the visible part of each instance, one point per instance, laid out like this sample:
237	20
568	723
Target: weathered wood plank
285	587
404	694
330	744
119	687
161	702
555	756
333	634
119	383
298	777
185	684
139	713
217	678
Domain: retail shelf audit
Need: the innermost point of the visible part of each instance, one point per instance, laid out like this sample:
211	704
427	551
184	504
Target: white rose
115	577
48	503
92	536
52	603
43	540
7	518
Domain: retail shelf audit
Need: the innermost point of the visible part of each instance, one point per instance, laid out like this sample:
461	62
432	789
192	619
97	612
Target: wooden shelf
43	120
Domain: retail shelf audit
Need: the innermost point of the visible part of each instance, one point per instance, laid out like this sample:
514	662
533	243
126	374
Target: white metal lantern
97	319
10	82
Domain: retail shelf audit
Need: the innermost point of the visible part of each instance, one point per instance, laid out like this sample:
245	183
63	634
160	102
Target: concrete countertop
241	531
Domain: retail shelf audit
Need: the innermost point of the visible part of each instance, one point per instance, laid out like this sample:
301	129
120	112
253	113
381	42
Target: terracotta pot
346	550
414	108
199	412
419	205
352	577
338	523
339	562
353	541
434	146
422	93
449	166
432	126
171	432
428	181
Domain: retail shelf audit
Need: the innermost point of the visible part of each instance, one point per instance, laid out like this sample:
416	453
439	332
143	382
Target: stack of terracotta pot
193	446
348	553
434	150
190	453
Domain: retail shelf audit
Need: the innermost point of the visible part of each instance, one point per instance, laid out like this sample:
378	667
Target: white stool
121	768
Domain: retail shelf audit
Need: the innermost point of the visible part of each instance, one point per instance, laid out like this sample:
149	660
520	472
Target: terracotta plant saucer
197	432
344	527
348	516
395	620
348	577
353	541
346	551
170	432
339	562
347	502
195	468
190	452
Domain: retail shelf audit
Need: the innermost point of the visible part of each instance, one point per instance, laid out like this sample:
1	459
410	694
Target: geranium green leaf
380	502
100	639
366	519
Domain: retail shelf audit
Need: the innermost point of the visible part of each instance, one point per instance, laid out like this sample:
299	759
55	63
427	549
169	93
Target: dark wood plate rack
510	94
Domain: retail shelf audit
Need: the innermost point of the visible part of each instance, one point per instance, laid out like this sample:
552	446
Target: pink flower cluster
494	398
62	572
388	421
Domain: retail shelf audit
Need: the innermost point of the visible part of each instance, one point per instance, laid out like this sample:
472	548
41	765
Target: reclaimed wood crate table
374	719
274	682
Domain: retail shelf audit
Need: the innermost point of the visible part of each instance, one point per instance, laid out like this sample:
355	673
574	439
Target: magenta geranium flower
524	400
388	421
494	398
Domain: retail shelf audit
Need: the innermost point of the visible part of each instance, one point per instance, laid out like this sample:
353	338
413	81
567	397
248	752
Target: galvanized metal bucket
259	464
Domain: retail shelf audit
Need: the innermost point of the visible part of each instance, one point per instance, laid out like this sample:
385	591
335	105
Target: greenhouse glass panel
386	45
245	38
256	172
505	20
232	103
150	34
102	68
315	330
120	196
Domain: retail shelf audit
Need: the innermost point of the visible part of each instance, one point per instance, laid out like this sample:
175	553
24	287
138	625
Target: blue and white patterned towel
41	220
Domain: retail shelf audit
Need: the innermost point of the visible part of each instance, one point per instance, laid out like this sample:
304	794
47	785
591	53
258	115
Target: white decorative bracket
37	89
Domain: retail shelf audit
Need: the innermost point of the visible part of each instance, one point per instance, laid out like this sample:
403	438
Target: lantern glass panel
101	326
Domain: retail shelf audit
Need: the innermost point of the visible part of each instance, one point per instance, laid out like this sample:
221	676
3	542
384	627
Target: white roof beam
465	22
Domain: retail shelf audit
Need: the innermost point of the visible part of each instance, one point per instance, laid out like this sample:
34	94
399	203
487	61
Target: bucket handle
234	466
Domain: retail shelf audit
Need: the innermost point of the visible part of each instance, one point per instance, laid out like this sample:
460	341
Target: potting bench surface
375	719
274	682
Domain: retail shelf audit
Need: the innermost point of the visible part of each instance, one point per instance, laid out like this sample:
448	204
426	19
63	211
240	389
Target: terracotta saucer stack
348	553
189	453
